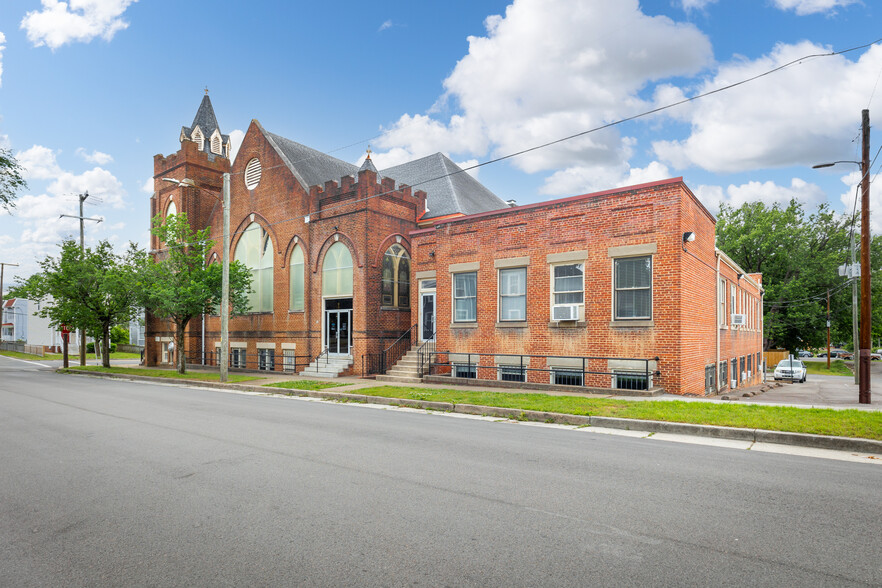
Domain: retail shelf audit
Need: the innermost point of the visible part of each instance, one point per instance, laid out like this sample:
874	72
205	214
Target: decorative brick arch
388	242
320	255
264	224
296	240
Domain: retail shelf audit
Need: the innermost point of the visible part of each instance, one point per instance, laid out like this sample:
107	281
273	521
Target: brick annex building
616	289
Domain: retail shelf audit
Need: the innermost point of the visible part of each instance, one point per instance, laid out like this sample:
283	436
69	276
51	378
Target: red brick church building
354	266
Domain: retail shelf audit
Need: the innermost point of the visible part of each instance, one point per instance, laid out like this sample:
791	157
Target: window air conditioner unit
737	319
565	312
734	384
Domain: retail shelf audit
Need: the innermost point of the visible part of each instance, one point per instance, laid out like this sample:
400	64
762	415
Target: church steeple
368	164
205	131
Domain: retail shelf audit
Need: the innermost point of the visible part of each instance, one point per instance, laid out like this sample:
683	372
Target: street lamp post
225	280
864	357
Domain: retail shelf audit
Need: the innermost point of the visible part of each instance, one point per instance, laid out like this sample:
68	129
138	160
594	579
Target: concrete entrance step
327	367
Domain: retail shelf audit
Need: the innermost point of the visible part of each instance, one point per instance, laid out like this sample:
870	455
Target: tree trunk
105	346
179	345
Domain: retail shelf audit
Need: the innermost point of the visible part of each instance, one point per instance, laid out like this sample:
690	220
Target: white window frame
266	359
722	303
500	288
554	292
454	297
568	372
514	370
616	290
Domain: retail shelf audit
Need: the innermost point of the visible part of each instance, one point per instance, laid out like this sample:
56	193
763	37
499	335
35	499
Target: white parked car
790	369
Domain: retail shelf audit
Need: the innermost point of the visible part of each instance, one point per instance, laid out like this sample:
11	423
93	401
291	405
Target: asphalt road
106	483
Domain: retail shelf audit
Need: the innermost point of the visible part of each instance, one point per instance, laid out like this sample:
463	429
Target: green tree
178	284
92	289
798	255
11	179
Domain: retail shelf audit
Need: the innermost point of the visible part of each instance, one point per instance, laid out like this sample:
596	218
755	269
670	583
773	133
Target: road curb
854	444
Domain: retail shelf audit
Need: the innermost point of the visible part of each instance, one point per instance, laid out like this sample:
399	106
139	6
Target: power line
798	61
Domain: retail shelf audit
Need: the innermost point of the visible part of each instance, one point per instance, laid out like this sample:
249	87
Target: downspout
203	338
717	326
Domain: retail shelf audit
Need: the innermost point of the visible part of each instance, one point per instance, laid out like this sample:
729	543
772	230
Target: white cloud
39	163
147	186
99	182
96	157
810	195
236	137
386	25
776	121
803	7
59	23
586	179
2	47
696	4
520	86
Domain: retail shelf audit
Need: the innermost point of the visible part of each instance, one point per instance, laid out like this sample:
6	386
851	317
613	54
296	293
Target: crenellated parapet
367	192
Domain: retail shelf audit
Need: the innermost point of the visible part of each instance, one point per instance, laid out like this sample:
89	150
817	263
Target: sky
91	90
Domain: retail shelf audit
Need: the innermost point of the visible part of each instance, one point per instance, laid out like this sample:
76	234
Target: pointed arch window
172	209
199	139
396	277
216	144
337	271
255	251
297	280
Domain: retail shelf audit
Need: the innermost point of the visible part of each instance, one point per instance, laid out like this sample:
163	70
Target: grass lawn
819	421
304	385
157	373
819	368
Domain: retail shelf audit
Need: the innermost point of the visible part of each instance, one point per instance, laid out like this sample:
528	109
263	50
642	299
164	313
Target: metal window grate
631	382
567	377
512	374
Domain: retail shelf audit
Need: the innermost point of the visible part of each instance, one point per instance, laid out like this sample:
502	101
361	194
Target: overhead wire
646	113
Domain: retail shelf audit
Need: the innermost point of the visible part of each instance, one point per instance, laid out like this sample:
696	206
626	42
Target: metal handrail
379	363
427	351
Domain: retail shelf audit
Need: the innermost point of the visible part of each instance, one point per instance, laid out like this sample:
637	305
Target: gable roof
450	189
310	166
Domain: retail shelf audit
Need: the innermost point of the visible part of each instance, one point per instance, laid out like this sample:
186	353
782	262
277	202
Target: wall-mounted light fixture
431	254
688	237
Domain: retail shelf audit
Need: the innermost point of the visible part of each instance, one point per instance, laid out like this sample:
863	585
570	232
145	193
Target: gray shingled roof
207	122
309	166
369	165
450	190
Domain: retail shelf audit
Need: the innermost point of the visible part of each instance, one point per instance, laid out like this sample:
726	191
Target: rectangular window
289	360
512	374
465	371
722	301
732	307
568	284
631	381
565	377
741	369
266	359
513	294
724	374
237	357
735	371
709	383
465	297
749	362
633	288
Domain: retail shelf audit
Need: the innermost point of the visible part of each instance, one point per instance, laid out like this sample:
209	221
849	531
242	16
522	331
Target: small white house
21	323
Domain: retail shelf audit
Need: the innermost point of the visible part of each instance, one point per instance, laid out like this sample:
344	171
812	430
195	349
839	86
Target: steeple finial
369	152
206	90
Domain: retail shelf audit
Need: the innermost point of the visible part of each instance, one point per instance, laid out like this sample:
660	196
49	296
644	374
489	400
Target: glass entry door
427	316
338	326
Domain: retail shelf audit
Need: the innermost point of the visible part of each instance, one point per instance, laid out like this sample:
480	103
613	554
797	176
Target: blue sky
90	90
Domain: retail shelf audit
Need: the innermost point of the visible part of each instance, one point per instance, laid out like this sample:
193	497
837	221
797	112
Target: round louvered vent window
252	174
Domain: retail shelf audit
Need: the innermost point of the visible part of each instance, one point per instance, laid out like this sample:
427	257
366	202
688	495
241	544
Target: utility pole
854	311
82	198
2	267
864	385
225	286
828	329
